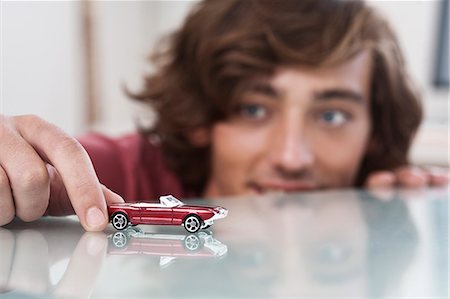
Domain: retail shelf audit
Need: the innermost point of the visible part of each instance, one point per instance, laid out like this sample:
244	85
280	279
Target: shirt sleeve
131	166
109	163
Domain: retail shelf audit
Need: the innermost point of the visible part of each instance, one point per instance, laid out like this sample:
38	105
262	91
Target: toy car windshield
170	201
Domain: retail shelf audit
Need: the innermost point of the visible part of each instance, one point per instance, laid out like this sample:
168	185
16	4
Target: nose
290	151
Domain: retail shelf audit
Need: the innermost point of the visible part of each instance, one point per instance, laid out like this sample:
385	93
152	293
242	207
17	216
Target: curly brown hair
225	44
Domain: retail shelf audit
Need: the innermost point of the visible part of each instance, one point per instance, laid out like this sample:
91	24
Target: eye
334	118
253	111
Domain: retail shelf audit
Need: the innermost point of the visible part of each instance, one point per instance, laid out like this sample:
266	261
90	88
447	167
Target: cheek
235	153
233	146
339	156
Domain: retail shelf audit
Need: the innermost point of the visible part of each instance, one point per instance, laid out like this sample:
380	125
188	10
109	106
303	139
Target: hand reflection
26	259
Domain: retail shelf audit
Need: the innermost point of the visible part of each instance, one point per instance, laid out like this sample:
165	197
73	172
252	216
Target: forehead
354	74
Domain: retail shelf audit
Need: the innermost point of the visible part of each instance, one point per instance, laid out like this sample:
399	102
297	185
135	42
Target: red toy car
170	211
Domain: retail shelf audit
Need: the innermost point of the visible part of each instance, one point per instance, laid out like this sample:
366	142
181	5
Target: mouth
280	187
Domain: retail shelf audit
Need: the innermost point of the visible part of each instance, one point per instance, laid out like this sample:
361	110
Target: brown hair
224	44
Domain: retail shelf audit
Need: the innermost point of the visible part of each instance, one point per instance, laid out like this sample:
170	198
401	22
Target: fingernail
418	178
440	180
387	178
95	217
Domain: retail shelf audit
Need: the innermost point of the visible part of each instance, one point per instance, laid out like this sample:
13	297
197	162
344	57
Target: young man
252	97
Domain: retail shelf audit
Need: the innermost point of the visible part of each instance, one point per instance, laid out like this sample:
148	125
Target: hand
44	170
409	177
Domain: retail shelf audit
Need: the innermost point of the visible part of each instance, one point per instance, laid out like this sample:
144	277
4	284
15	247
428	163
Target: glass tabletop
340	244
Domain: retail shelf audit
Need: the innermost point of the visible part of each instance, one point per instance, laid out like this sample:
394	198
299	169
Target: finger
381	179
63	206
84	266
27	175
59	204
74	166
411	177
438	176
441	179
110	196
7	210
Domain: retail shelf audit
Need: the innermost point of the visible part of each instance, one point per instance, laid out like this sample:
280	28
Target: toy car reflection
170	211
167	247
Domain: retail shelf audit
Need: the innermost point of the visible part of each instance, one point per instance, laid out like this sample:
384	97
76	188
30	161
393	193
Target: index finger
73	164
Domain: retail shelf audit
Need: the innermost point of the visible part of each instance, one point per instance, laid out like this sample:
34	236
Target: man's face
301	129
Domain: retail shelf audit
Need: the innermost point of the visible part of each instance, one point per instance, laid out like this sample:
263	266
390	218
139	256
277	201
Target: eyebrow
326	95
339	94
264	89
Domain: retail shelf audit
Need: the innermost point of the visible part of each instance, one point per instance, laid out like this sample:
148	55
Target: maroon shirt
132	166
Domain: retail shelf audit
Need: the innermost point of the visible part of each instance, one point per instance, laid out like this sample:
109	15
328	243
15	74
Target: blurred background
69	61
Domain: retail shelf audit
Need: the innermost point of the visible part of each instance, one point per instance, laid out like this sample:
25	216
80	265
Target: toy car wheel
119	221
192	223
192	242
119	239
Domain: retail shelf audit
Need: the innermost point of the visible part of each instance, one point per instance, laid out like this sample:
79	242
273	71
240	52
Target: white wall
123	48
42	62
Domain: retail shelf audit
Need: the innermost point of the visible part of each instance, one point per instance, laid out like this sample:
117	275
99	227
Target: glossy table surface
334	244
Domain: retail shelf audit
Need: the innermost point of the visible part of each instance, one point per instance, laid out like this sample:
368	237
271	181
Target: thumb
111	197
